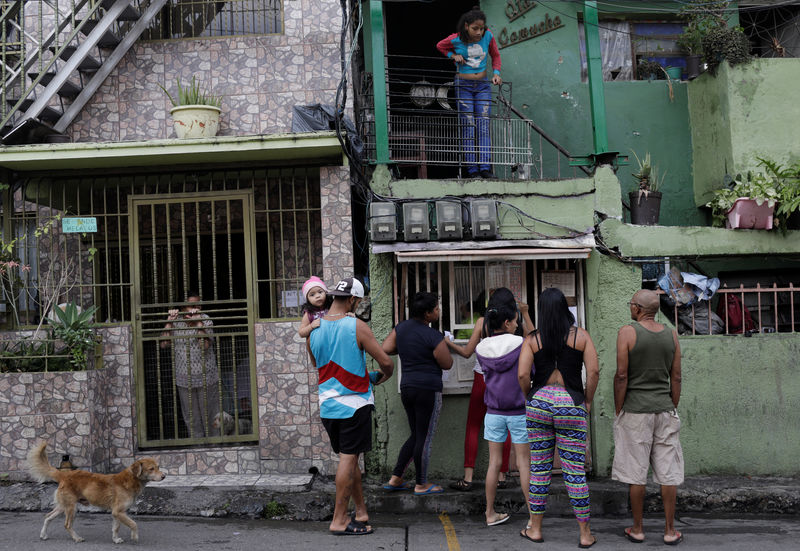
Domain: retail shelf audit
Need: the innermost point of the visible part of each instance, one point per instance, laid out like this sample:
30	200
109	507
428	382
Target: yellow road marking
449	532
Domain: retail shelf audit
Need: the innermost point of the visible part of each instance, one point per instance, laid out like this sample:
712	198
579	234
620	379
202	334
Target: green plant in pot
648	69
73	327
645	202
195	112
757	192
787	182
691	43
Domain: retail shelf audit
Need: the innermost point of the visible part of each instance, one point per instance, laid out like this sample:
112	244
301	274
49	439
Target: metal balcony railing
739	310
425	128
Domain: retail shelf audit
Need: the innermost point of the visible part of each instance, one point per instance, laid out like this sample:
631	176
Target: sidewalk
306	497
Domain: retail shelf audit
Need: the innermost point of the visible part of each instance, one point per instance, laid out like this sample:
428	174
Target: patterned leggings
553	419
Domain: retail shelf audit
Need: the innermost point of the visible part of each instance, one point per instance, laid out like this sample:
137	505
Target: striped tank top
344	385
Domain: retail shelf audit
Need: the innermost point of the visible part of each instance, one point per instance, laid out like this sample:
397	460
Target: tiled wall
259	78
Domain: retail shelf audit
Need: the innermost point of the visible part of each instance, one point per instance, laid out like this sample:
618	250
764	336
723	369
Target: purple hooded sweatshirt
499	357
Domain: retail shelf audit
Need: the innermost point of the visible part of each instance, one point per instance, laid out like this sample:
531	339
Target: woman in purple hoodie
505	404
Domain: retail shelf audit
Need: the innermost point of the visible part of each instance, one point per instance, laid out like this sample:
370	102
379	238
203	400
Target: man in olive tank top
647	388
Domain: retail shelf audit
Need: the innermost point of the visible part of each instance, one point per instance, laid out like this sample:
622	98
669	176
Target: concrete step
309	497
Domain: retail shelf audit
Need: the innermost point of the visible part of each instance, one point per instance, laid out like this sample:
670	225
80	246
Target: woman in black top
557	408
423	355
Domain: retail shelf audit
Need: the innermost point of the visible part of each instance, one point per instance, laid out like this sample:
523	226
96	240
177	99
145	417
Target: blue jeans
474	99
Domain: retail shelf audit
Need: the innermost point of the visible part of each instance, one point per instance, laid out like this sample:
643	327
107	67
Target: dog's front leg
115	530
120	516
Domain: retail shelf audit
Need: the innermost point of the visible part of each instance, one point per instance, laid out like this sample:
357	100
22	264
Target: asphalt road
20	532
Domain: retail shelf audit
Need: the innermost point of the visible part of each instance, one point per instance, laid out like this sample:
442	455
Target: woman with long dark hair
557	409
423	355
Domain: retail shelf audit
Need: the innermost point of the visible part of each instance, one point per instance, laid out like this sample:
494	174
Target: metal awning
461	251
312	147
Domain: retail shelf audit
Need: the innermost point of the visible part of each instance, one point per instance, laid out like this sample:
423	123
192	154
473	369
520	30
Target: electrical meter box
383	221
484	219
448	220
415	222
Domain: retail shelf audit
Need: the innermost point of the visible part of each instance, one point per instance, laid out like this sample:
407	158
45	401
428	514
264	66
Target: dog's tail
39	467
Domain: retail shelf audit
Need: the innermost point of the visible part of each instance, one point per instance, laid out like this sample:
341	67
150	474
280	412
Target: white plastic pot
195	121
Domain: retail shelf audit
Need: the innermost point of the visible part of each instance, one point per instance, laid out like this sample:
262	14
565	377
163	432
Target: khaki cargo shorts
645	440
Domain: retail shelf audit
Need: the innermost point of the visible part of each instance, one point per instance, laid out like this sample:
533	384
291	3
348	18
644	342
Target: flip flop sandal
499	519
630	537
393	488
435	489
525	535
676	541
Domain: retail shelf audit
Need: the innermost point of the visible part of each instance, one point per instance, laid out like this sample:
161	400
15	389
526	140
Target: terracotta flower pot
195	121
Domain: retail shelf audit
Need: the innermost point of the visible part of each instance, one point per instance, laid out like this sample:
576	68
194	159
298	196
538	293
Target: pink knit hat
312	282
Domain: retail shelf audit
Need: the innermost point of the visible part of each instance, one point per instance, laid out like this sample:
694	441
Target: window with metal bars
463	288
207	18
94	268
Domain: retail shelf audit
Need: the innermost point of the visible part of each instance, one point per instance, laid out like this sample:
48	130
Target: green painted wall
739	407
609	286
547	88
745	112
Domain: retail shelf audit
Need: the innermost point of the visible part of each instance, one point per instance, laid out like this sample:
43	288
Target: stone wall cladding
259	78
44	406
337	223
291	434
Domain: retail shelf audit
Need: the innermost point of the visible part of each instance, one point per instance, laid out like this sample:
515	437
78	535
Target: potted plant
691	43
787	180
195	112
745	203
648	69
646	200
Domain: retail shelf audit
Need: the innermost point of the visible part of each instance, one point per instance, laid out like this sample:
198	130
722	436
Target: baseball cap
312	282
348	287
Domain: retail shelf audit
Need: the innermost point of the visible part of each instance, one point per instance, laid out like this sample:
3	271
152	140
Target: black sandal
461	485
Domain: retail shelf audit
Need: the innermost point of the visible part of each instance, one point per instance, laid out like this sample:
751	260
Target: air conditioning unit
484	219
415	222
448	220
383	221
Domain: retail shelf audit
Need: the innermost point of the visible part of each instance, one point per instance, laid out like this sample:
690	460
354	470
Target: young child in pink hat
316	305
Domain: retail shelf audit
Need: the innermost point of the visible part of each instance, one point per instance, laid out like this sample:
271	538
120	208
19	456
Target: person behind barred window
468	48
195	363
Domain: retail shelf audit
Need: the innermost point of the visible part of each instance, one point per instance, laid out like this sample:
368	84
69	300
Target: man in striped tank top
346	400
647	388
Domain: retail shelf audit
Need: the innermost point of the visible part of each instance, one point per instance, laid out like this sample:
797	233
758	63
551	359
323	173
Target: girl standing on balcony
468	48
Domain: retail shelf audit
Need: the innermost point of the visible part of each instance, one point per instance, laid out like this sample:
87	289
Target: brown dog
109	491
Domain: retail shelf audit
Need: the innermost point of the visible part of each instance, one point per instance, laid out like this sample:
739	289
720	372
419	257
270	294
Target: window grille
463	288
207	18
94	268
